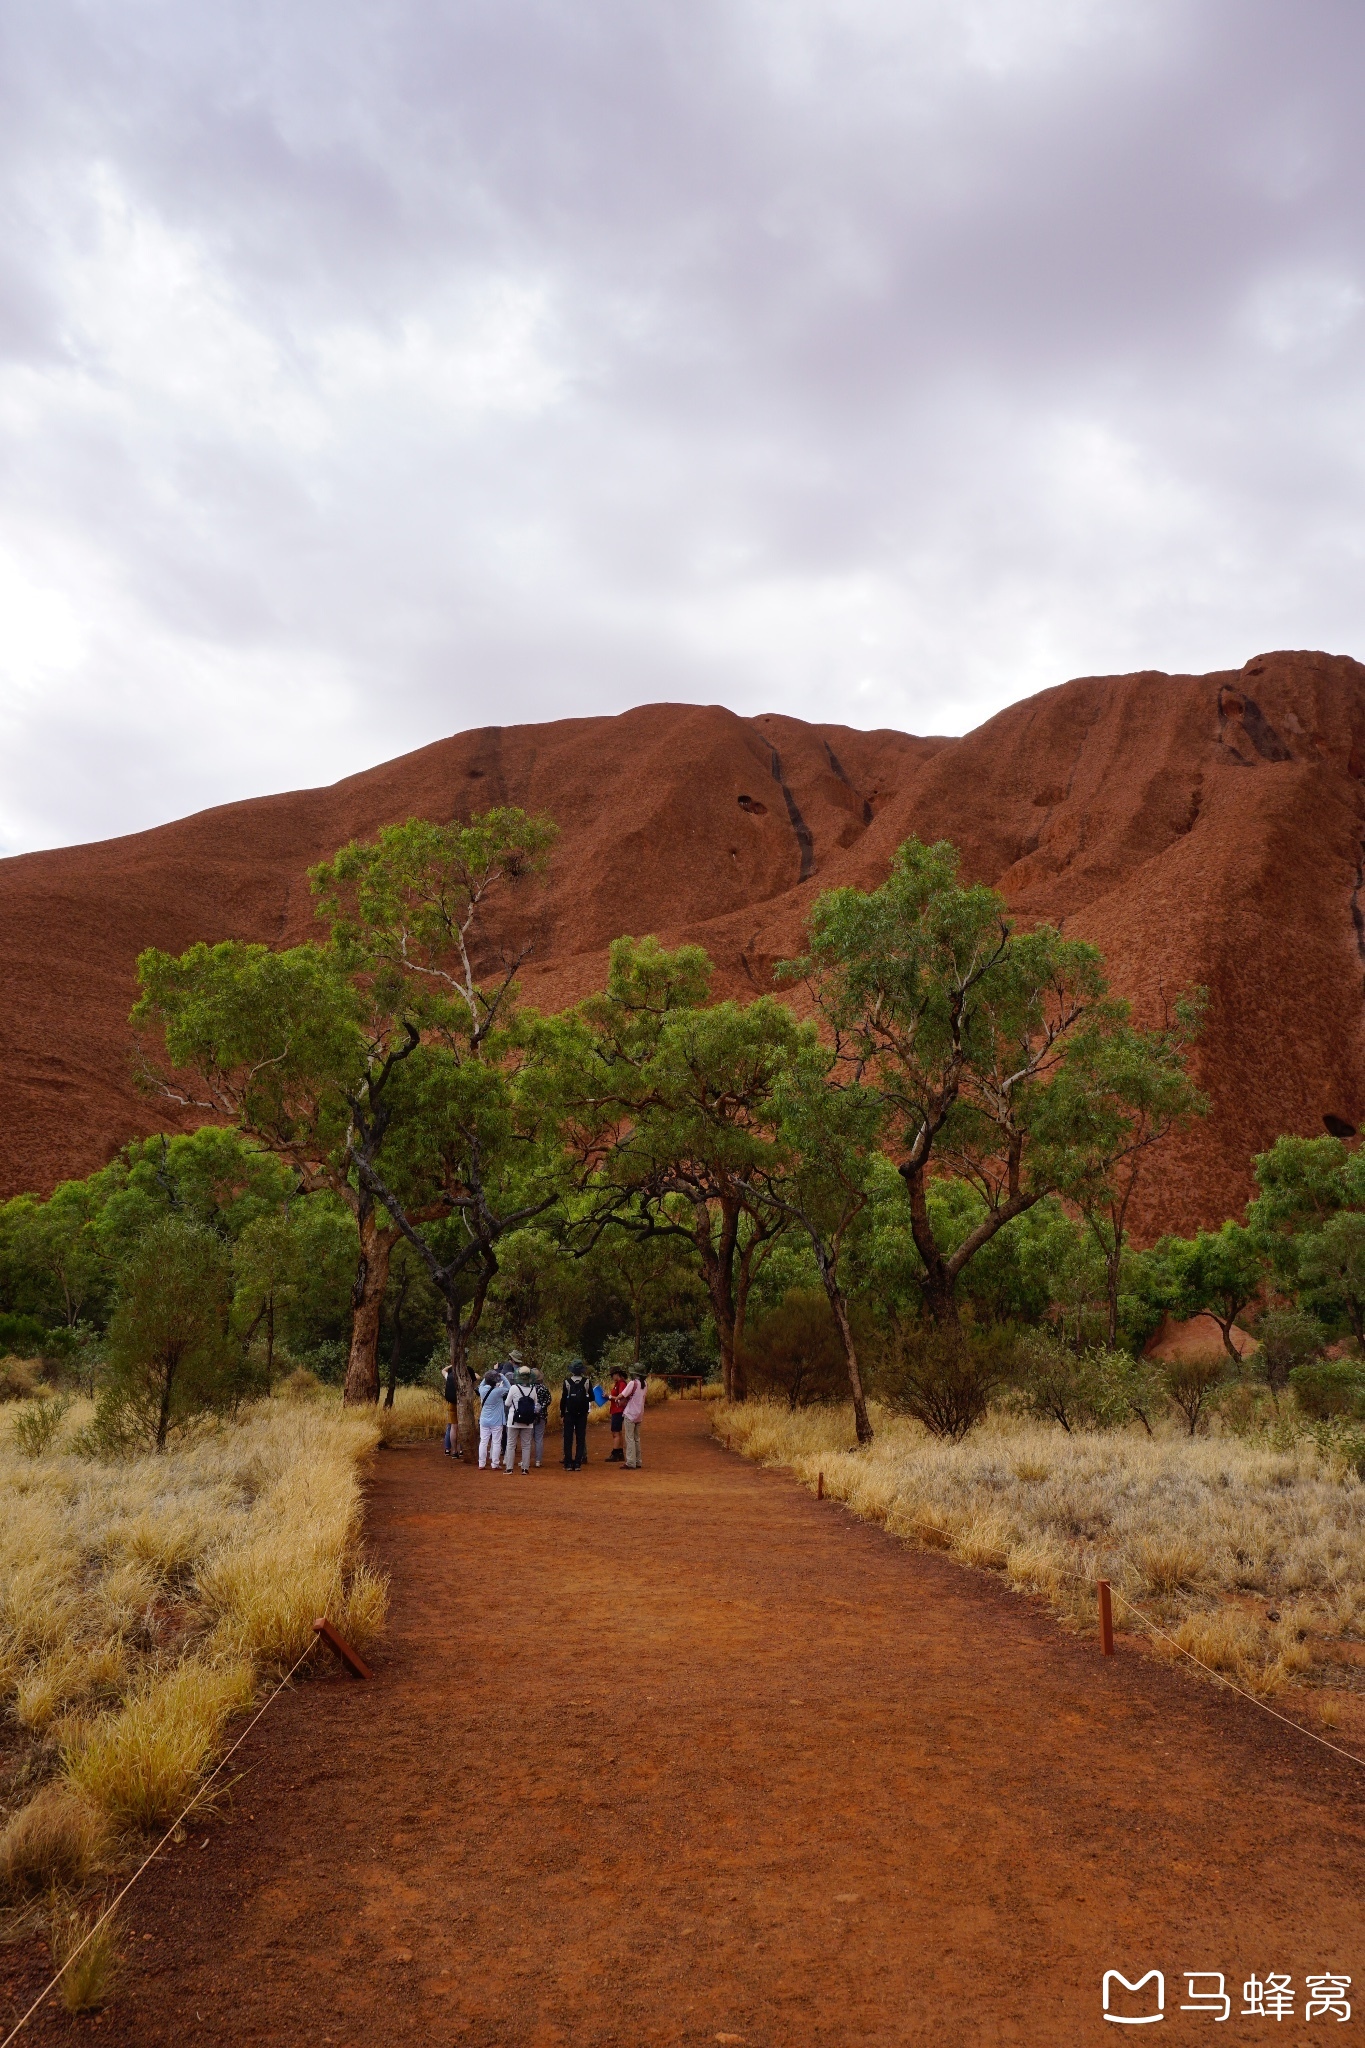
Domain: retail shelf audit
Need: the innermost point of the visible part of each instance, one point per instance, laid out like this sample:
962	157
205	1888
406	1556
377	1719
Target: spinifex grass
142	1601
1209	1536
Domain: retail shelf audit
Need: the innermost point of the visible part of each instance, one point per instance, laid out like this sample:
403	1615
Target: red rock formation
1198	828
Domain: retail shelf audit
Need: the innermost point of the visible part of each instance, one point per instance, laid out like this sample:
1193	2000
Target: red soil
683	1755
1202	829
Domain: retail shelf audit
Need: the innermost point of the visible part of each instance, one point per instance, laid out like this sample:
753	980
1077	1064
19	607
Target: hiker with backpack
450	1382
492	1417
575	1399
633	1397
543	1399
522	1409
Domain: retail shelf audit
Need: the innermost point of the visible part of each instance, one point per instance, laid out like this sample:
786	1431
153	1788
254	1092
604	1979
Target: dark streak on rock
837	765
798	823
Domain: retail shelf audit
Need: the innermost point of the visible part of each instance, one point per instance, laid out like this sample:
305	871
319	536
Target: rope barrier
152	1855
1223	1679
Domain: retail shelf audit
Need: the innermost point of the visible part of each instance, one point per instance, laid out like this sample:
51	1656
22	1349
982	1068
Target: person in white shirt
634	1393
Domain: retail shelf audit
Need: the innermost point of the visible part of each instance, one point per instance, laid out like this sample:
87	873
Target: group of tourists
514	1404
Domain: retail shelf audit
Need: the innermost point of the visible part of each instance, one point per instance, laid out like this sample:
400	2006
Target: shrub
169	1354
23	1334
300	1384
1190	1384
947	1378
794	1352
1087	1390
57	1839
18	1379
36	1426
1328	1387
676	1351
1287	1338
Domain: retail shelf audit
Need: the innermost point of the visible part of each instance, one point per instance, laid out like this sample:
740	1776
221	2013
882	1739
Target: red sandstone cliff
1198	828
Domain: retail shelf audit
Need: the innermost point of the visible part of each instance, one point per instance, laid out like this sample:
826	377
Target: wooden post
819	1486
352	1659
1106	1617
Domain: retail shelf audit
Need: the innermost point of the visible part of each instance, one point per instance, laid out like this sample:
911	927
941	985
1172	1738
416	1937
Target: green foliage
1091	1389
1192	1384
1217	1273
404	906
1286	1338
169	1355
668	1110
22	1335
795	1352
1303	1181
1331	1268
991	1049
1325	1388
37	1425
947	1376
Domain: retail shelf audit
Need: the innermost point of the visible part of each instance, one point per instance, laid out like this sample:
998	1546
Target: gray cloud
367	372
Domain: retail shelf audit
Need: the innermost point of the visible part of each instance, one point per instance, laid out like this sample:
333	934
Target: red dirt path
683	1754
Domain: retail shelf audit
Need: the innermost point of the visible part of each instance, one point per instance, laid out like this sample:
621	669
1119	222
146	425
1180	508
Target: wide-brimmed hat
514	1358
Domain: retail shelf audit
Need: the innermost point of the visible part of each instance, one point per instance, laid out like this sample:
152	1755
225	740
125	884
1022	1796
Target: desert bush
19	1379
1190	1385
38	1425
300	1384
58	1839
169	1354
1286	1337
1078	1390
947	1378
657	1392
794	1353
21	1336
1327	1387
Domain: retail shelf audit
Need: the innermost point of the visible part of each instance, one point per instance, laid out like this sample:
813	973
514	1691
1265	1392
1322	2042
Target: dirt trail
682	1754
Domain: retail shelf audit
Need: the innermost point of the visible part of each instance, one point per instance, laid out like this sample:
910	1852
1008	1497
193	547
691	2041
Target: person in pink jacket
633	1394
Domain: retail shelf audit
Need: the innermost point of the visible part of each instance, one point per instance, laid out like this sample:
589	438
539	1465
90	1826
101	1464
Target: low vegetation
145	1599
1248	1551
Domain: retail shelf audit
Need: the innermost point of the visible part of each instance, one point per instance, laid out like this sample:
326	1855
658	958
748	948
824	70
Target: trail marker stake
1106	1618
819	1486
352	1659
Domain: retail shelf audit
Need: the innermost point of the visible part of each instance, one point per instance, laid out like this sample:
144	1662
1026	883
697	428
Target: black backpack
524	1405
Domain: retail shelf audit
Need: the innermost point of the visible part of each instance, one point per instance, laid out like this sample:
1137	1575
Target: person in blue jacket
492	1417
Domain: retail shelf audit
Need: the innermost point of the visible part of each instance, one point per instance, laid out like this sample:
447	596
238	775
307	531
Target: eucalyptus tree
966	1027
303	1048
415	914
666	1104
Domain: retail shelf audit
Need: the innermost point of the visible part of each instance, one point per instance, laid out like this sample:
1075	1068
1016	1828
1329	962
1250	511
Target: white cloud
365	374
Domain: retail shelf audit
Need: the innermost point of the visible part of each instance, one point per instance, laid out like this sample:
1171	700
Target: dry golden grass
142	1601
1205	1536
58	1838
417	1416
85	1953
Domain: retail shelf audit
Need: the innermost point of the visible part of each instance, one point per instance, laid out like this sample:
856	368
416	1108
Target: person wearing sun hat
523	1405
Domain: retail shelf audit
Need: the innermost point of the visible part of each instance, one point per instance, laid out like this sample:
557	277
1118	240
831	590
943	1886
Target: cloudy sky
370	369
